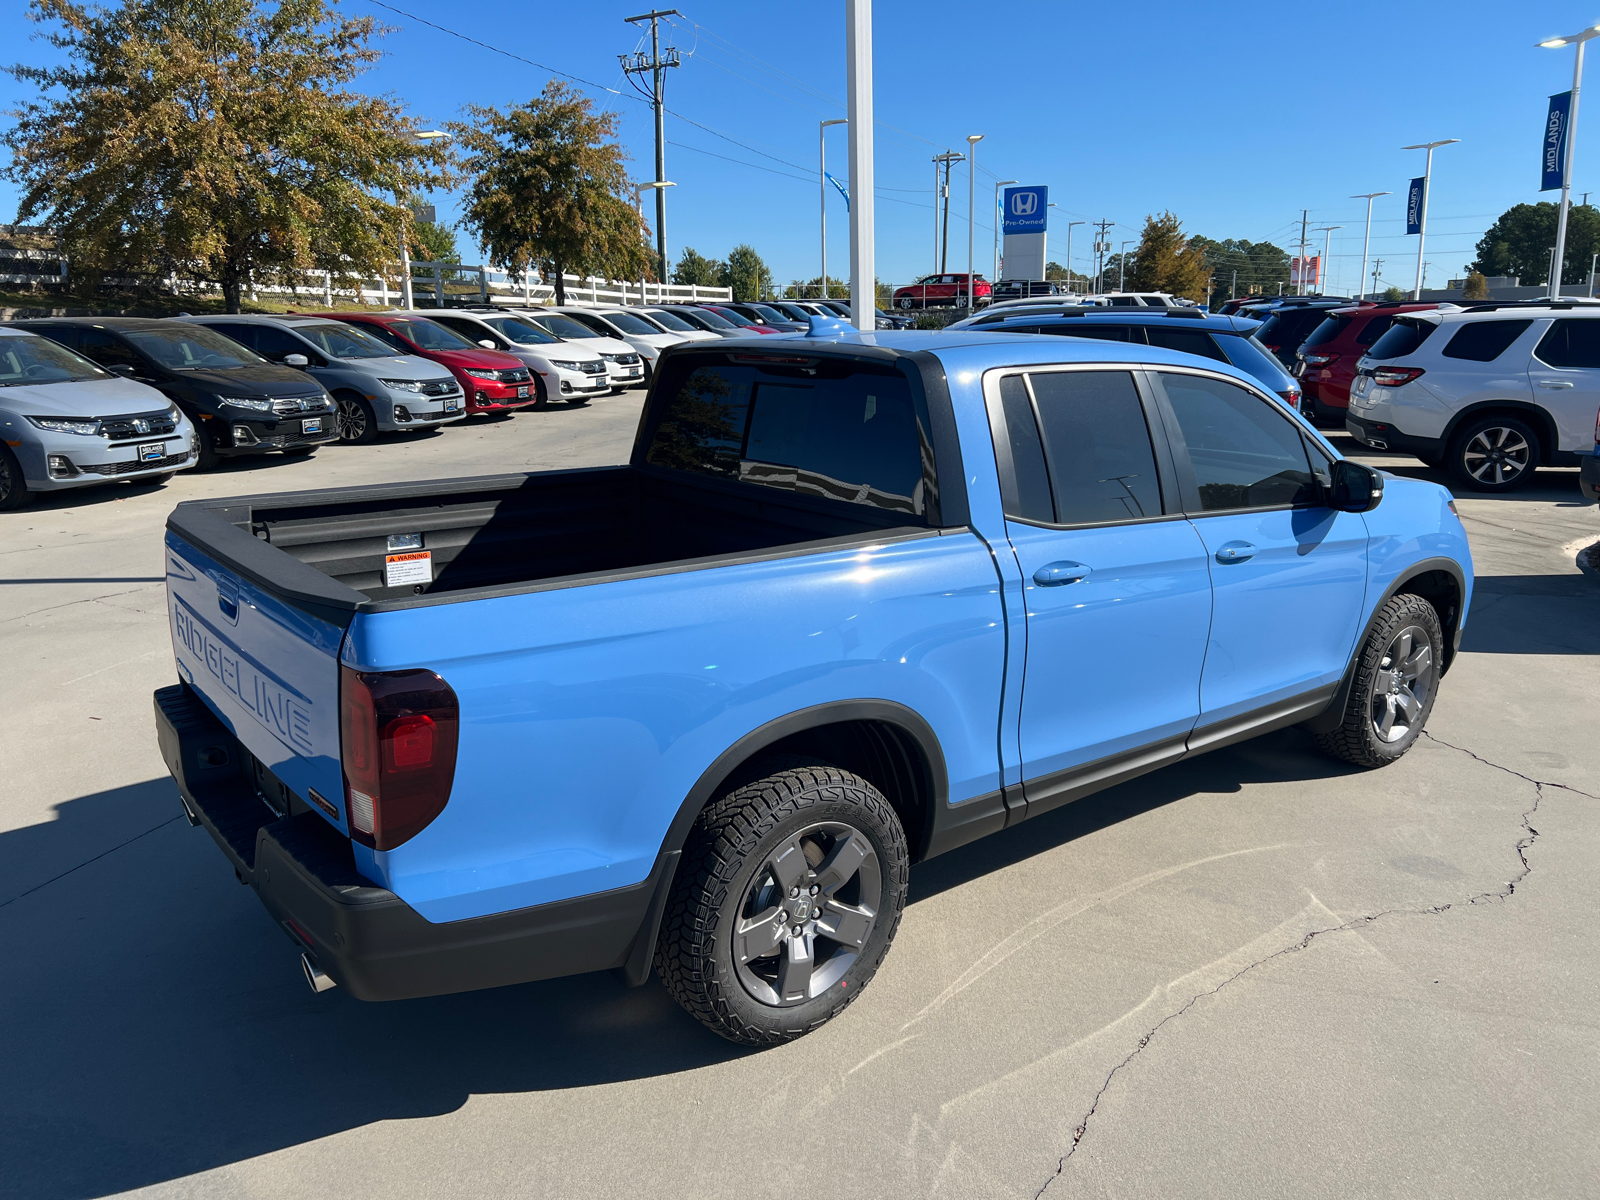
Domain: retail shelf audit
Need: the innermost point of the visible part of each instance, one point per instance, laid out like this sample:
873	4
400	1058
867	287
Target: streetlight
1070	224
1366	242
639	189
1327	235
997	187
421	138
972	213
822	191
1422	222
1576	39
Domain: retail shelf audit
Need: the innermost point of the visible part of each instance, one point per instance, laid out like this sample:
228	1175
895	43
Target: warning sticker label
403	570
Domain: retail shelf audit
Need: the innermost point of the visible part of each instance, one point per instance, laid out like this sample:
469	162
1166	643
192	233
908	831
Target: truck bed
509	531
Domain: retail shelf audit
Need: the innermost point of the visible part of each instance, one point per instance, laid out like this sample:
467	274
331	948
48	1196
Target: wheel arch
888	744
1543	423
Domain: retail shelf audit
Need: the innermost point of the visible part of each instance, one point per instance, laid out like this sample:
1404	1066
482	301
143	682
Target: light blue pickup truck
855	601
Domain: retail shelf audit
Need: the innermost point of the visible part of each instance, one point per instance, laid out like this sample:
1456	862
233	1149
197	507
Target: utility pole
948	159
1377	265
1100	248
1322	267
637	64
1305	213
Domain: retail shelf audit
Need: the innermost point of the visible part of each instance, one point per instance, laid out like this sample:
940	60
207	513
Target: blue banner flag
1414	202
1025	210
1555	142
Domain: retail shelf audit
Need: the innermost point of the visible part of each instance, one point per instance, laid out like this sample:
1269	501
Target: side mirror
486	344
122	369
296	360
1356	488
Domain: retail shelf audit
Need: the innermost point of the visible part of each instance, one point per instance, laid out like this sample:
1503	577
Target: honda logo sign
1025	209
1024	204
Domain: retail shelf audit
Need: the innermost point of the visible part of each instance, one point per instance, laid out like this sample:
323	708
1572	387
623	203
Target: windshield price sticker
402	570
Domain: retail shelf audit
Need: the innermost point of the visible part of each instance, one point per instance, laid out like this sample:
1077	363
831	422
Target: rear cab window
1483	341
825	428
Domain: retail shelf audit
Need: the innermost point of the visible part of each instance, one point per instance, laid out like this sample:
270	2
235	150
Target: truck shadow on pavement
158	1026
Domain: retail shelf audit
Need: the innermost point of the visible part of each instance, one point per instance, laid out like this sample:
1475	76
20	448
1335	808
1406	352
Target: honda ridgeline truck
855	600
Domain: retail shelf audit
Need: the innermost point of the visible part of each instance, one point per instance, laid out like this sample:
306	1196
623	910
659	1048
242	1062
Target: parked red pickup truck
942	291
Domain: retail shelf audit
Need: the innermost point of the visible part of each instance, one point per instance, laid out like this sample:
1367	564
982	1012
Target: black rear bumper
1386	437
371	942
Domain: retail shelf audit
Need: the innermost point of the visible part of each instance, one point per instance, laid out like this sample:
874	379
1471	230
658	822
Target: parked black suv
238	401
1286	325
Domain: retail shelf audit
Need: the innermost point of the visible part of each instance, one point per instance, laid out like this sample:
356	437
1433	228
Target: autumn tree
1477	287
432	241
1165	262
550	189
214	139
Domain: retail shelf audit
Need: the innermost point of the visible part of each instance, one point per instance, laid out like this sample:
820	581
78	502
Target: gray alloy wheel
1495	454
1396	679
809	910
355	418
14	490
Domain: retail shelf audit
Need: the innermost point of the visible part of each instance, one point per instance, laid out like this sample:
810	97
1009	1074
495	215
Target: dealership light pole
1422	221
1070	224
415	139
1366	242
997	214
639	189
1322	272
972	213
1576	39
1122	265
858	53
822	192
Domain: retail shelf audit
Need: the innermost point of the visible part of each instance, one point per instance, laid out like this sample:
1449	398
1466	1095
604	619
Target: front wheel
786	901
1397	677
1494	454
356	420
14	490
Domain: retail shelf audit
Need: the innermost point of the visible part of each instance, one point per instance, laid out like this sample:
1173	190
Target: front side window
30	359
338	340
524	333
1097	447
275	344
712	320
671	321
430	335
102	347
840	433
1243	453
629	323
565	327
1571	344
1483	341
192	348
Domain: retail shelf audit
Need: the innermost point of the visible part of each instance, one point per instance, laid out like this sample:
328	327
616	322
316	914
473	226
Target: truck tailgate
268	670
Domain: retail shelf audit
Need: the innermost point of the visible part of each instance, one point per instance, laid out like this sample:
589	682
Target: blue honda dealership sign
1554	151
1025	208
1414	201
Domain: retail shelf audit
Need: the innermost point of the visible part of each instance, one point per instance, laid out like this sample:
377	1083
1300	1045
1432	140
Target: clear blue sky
1235	117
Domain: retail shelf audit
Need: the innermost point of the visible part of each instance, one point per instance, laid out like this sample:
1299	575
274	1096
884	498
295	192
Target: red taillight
1320	360
397	732
1395	376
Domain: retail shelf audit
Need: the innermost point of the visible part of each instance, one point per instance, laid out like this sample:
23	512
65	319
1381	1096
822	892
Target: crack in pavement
71	603
87	861
1530	836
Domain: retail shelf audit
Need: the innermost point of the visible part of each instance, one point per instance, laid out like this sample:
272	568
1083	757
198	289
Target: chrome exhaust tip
317	979
189	814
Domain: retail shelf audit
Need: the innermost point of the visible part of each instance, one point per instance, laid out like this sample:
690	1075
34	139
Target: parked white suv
1490	393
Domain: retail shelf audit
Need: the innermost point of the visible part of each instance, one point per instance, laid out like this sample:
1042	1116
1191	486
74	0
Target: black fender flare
1330	717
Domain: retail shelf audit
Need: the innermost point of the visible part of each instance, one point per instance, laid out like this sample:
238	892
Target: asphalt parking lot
1259	973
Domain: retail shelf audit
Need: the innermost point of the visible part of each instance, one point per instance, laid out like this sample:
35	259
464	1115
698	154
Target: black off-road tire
727	854
1358	739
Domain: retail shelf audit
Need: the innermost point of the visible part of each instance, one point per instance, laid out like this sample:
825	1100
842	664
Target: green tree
433	242
550	189
1395	295
214	139
1520	241
746	274
694	267
1258	266
1166	262
811	289
1477	287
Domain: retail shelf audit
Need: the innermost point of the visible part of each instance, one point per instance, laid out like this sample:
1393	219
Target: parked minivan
376	390
65	423
560	370
240	403
1491	393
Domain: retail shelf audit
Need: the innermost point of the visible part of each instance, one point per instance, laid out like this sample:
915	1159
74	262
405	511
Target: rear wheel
1396	679
1494	454
787	899
14	490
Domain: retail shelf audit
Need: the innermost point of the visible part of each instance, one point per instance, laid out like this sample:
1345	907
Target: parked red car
492	380
1328	357
943	291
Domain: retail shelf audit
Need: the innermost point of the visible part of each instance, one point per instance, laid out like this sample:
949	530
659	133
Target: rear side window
1244	452
1402	338
1032	501
1373	330
1483	341
1097	447
832	431
1330	328
1571	344
1188	341
1104	333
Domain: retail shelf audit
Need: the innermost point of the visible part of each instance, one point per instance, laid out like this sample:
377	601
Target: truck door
1289	573
1116	583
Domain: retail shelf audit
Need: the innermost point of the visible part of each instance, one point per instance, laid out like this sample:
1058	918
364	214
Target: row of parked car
92	399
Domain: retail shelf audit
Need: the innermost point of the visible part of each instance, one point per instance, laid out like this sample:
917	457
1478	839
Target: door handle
1057	573
1232	552
1555	383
